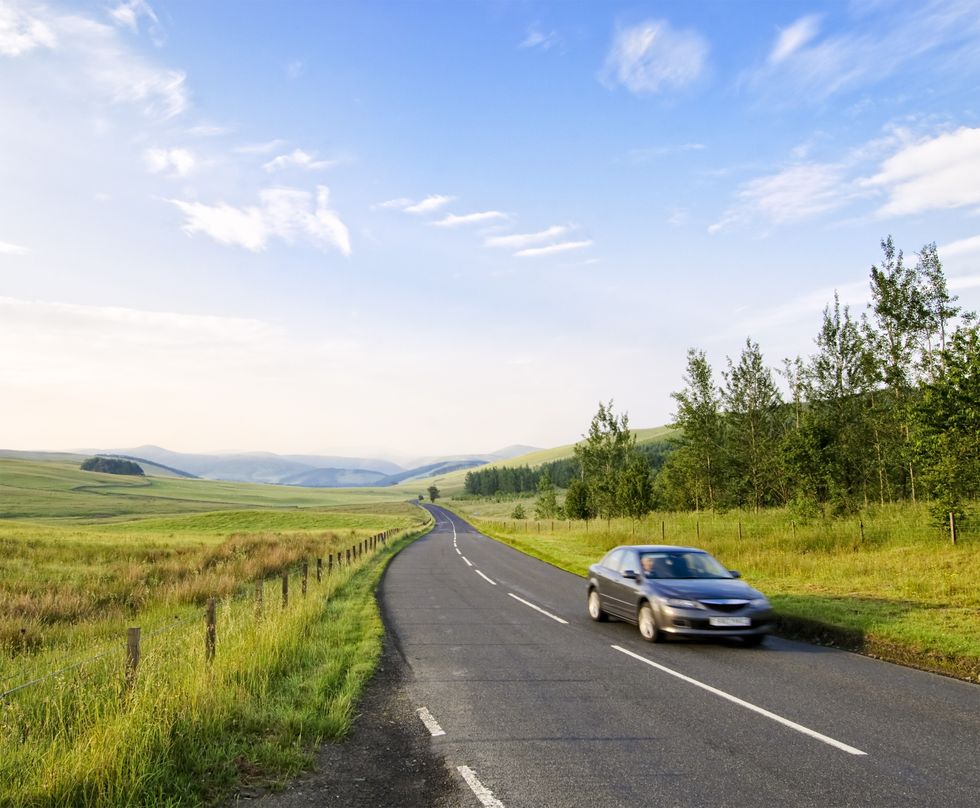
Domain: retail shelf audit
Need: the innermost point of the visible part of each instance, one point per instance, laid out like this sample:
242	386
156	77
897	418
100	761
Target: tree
518	512
433	493
577	505
112	465
421	497
947	426
754	429
604	455
547	503
635	491
699	420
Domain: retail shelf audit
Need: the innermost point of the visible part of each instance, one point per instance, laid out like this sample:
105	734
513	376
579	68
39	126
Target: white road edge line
483	794
430	723
539	609
748	705
470	563
484	577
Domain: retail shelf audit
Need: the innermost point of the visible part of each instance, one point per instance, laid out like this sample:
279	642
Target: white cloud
208	130
266	147
431	203
536	38
298	158
520	240
654	56
284	213
957	249
805	67
400	203
21	32
551	249
6	248
175	162
935	173
128	14
793	194
453	220
803	308
791	39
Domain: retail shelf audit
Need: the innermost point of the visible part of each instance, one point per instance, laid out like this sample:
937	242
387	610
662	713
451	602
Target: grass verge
187	732
885	583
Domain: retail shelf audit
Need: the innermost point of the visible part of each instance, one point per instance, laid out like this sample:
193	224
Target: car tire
647	623
595	607
754	641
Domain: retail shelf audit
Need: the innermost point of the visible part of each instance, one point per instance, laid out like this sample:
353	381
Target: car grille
725	604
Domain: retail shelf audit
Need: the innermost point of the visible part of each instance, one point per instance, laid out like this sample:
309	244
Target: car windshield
681	565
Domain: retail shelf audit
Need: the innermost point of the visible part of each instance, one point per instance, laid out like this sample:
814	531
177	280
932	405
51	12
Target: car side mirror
735	573
631	575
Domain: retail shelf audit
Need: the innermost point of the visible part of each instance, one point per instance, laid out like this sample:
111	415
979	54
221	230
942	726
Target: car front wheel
595	608
648	624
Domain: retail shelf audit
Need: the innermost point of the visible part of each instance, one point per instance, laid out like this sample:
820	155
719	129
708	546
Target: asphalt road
546	708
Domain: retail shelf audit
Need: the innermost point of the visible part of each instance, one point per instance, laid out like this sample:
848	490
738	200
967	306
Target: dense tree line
885	409
112	465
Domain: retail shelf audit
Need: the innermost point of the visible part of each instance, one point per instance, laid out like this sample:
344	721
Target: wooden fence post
739	529
319	570
952	527
329	563
259	587
663	529
210	630
132	655
697	526
306	576
285	589
348	556
862	531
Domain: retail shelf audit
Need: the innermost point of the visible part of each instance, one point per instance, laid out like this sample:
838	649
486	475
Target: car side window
613	559
628	561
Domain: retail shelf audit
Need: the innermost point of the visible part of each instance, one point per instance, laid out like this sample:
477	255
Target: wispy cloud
551	249
129	13
283	213
803	66
933	174
791	39
537	38
6	248
175	162
520	240
429	204
208	130
654	56
957	249
298	158
454	220
265	147
21	32
793	194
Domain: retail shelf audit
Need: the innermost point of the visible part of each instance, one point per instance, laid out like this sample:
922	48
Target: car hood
704	588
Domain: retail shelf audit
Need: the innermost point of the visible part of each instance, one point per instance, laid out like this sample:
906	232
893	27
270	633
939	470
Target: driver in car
647	563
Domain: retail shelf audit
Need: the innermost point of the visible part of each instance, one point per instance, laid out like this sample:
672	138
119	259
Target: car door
622	591
606	577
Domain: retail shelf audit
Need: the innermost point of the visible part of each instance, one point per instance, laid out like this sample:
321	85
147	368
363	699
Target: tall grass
187	730
887	582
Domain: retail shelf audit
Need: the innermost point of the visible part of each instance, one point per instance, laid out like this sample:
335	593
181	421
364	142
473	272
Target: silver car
676	590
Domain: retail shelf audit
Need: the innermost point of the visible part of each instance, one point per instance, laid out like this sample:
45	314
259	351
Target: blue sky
438	227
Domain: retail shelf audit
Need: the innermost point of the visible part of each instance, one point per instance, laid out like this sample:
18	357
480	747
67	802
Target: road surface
534	705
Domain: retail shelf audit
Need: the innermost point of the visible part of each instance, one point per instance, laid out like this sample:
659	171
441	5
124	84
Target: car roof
659	548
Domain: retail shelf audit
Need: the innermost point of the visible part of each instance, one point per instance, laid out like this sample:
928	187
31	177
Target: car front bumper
696	622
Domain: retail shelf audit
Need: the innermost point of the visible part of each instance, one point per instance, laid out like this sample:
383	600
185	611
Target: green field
84	556
452	483
899	590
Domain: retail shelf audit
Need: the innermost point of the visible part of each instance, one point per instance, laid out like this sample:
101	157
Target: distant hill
335	478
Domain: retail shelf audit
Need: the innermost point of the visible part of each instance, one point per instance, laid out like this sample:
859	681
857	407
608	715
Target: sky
438	227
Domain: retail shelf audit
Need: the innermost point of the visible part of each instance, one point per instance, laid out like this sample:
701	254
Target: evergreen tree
604	455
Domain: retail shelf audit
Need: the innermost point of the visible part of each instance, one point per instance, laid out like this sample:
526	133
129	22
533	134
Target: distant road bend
534	705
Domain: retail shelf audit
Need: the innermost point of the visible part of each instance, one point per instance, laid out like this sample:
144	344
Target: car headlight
760	603
680	603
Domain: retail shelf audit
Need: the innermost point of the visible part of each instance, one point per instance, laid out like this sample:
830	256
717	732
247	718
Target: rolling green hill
452	483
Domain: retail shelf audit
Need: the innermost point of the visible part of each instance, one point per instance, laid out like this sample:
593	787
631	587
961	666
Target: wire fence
346	558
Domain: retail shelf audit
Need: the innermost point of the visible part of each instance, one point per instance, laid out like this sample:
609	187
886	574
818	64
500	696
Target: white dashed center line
749	706
470	563
539	609
484	577
430	723
483	794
